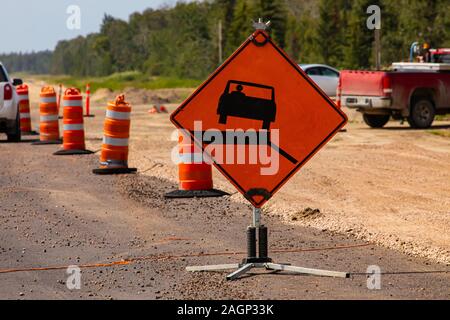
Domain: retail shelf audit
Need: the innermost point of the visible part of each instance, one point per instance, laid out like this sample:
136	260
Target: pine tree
359	38
227	8
182	41
391	45
292	37
442	24
330	31
276	12
301	39
241	26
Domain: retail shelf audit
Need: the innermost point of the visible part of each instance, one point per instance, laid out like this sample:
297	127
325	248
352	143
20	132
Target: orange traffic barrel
49	125
114	155
24	111
73	126
194	174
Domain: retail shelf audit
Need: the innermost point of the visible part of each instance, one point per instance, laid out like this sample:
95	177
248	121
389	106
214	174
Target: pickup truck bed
415	93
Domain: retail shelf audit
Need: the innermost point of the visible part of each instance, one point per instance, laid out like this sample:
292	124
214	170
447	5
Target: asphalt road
54	213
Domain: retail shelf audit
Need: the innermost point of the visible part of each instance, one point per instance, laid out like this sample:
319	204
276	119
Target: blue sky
29	25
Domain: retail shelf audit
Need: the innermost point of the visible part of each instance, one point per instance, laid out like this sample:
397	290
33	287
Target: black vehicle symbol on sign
238	104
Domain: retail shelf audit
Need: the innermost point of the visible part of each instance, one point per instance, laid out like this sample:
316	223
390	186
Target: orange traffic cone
88	102
49	125
58	104
24	111
114	156
195	176
73	127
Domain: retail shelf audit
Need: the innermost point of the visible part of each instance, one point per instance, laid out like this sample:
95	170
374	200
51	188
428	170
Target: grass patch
445	117
120	81
441	133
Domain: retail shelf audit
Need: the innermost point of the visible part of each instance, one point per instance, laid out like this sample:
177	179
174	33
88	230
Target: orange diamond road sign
260	118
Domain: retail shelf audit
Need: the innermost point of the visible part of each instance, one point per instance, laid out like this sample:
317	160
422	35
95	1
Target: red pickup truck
416	92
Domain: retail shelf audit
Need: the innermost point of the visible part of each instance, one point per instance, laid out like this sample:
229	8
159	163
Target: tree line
34	62
183	40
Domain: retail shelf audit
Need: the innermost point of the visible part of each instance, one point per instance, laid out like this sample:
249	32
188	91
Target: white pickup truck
9	107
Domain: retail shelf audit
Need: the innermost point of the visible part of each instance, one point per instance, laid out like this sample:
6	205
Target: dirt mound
307	213
102	95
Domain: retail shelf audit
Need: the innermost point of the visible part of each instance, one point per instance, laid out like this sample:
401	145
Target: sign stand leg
262	261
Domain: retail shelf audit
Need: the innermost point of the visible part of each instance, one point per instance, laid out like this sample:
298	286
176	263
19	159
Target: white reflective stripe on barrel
23	98
24	115
118	142
73	127
72	103
48	99
189	158
49	118
117	115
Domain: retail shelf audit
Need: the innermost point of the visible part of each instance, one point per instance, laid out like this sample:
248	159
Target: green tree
241	26
276	12
301	39
331	31
359	39
182	40
442	24
119	44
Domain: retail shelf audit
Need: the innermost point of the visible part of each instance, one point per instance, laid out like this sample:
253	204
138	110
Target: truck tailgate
362	83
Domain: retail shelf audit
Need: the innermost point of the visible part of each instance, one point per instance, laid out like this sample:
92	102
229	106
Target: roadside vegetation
442	133
120	81
445	117
182	41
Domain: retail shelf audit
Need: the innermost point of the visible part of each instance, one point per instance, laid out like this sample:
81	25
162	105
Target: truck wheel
376	120
422	114
15	135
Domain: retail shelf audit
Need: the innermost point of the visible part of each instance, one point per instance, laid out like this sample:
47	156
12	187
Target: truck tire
422	114
376	120
14	135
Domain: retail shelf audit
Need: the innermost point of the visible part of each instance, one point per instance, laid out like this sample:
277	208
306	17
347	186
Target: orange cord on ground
171	257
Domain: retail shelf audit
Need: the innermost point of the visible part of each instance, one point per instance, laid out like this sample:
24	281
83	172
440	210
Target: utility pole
220	42
378	49
374	23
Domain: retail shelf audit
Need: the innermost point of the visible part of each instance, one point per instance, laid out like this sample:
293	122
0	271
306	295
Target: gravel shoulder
386	189
388	186
55	212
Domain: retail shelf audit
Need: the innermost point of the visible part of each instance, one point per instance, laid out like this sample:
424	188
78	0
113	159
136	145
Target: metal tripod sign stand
261	259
